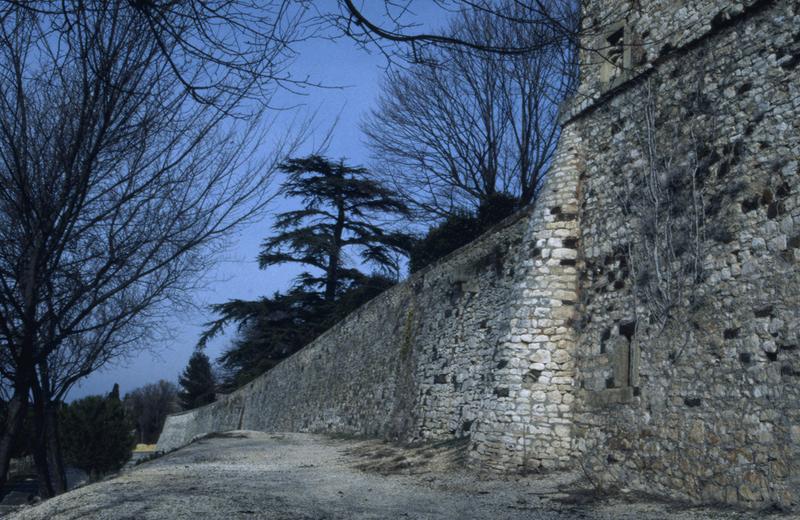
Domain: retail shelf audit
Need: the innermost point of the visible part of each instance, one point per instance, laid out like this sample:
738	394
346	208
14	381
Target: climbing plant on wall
665	198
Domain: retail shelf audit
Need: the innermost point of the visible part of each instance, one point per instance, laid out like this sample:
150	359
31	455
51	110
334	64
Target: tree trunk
332	280
42	469
47	450
55	459
17	409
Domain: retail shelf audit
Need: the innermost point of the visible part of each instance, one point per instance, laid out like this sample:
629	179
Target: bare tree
120	177
389	27
459	127
149	406
220	51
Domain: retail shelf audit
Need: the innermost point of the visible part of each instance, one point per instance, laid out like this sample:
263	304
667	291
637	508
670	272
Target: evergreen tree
459	229
197	382
344	213
342	209
96	434
274	328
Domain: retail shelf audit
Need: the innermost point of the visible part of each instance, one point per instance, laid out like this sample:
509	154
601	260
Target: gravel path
249	475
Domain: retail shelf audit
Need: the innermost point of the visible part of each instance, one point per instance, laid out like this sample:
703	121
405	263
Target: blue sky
354	76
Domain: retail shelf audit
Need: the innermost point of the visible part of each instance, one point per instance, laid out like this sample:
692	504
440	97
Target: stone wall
621	39
700	399
642	321
417	362
527	422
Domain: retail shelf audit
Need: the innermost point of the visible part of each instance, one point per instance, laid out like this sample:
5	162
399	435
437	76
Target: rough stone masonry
642	321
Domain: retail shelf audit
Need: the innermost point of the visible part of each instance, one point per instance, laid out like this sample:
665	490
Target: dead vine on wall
663	199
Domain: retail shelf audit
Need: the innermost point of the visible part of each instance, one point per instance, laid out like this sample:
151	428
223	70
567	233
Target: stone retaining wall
478	345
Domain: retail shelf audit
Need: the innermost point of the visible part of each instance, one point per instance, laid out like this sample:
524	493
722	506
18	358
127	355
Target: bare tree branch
452	132
121	176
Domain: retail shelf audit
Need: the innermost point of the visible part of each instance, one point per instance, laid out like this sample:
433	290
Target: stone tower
687	356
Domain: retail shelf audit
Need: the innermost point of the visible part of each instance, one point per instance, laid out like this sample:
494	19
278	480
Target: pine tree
274	328
197	382
344	214
114	392
96	433
343	209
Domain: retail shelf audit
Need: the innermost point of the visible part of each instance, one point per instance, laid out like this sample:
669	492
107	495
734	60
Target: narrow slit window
615	55
616	48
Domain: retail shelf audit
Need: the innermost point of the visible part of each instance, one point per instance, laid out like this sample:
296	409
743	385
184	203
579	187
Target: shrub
96	435
459	229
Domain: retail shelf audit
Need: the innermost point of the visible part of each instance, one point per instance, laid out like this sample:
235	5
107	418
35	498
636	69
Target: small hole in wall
792	63
610	382
745	357
720	20
750	204
724	169
775	210
692	402
616	41
627	329
603	338
731	333
533	376
744	87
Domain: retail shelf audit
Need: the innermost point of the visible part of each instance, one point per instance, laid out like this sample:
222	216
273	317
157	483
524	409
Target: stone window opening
616	48
626	360
622	384
616	55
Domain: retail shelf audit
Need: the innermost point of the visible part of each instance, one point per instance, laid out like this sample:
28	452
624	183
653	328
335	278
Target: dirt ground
251	475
